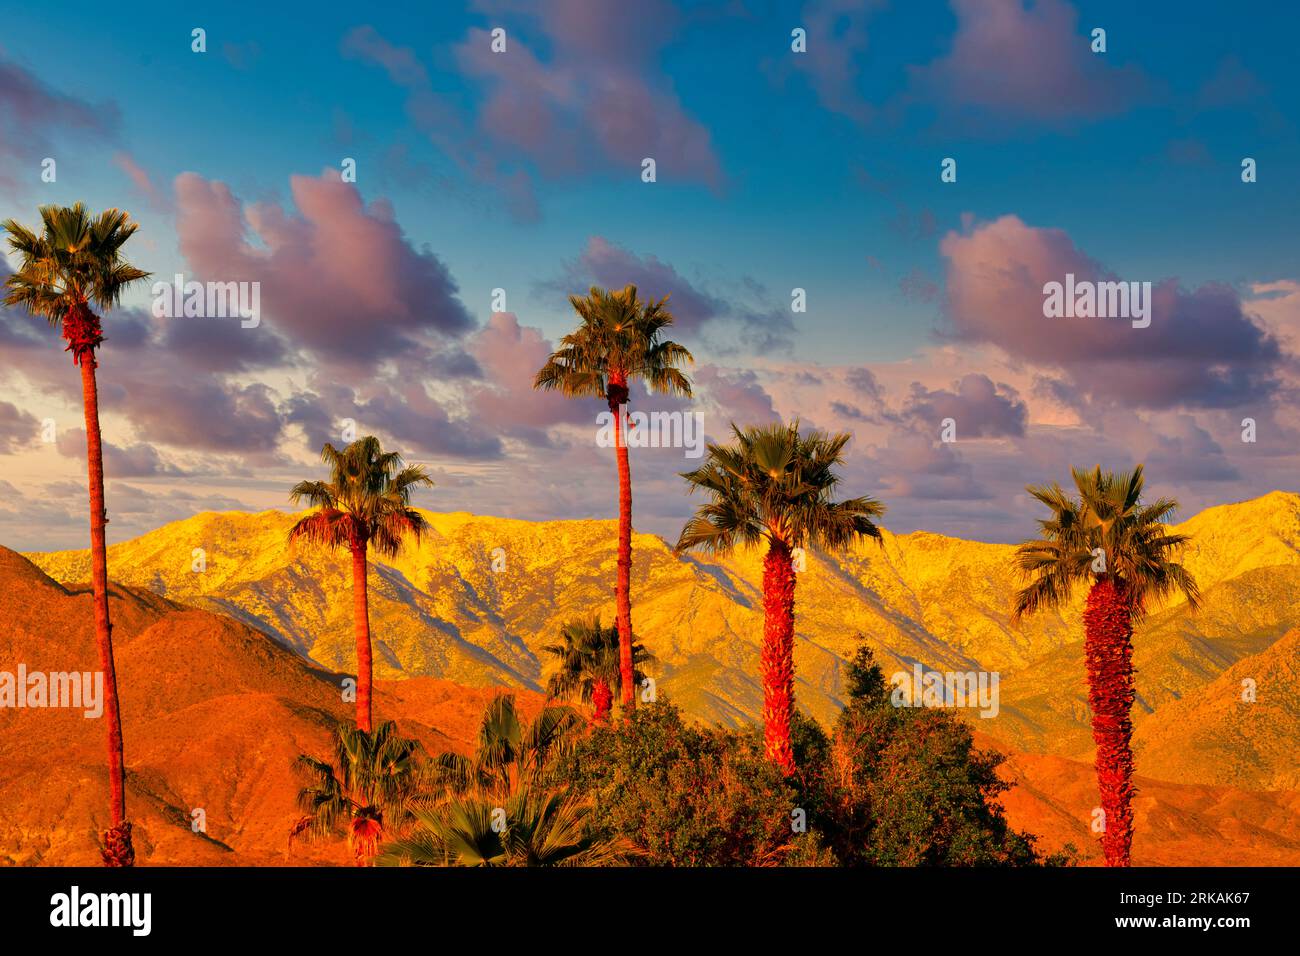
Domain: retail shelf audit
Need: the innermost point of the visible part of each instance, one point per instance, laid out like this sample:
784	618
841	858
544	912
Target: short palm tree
527	828
587	664
510	753
619	341
773	485
366	503
365	792
504	806
1108	539
72	266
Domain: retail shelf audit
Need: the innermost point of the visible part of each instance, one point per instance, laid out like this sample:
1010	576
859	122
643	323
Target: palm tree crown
1106	521
586	656
366	501
504	806
774	483
619	340
367	788
75	260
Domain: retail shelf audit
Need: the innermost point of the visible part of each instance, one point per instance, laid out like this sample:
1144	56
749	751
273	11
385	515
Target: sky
796	146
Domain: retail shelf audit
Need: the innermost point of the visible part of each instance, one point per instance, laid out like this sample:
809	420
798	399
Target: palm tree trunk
361	627
618	394
778	654
118	850
1108	648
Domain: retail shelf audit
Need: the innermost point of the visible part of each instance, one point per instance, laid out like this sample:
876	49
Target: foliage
1107	516
774	483
505	806
620	339
587	656
685	796
367	790
74	259
366	501
903	786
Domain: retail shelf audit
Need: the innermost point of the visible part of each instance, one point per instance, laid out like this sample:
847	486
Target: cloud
980	408
199	413
138	460
695	310
35	118
1025	63
737	395
401	412
18	429
915	465
1201	349
595	103
836	39
338	279
506	402
140	179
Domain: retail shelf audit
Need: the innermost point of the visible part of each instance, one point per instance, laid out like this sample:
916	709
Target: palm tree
588	664
528	829
510	753
1107	538
504	805
773	485
368	787
75	263
618	342
366	503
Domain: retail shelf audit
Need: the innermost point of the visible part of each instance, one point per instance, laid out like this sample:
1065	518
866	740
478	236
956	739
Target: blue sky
776	170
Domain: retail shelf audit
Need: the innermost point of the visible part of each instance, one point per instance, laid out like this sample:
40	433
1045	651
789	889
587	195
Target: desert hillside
441	609
213	713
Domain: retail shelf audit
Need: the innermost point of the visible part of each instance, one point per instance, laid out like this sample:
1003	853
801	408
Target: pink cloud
140	178
1201	348
1026	62
338	278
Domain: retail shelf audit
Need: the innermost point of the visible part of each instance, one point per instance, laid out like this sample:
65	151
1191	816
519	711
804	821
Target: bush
687	796
905	786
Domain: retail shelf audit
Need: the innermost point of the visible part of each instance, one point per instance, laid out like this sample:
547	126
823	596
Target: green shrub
686	796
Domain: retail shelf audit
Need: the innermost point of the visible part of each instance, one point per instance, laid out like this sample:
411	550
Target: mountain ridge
439	609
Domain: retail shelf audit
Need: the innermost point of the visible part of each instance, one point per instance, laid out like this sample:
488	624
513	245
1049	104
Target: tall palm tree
1107	538
773	485
619	341
365	791
366	503
504	806
588	664
72	266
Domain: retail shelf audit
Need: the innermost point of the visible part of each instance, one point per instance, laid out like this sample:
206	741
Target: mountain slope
1237	730
213	713
440	609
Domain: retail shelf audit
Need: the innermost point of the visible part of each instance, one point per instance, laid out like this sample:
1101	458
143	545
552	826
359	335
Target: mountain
214	713
440	609
1175	824
1238	730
